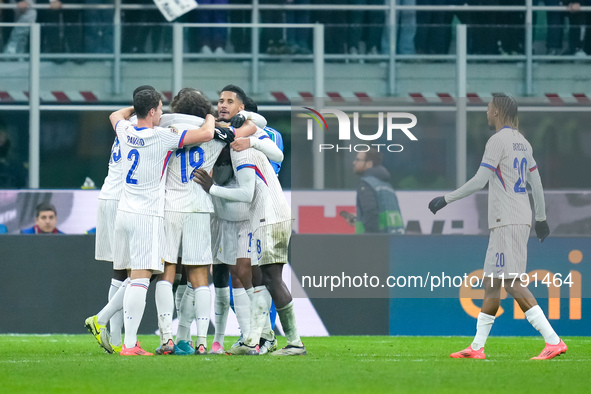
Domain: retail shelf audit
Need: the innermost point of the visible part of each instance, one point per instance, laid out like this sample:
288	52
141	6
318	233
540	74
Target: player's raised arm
122	114
263	144
238	120
202	134
246	130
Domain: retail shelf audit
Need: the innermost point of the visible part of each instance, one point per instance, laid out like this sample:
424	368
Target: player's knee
120	275
220	275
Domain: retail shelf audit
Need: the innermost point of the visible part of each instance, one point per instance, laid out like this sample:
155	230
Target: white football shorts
105	230
231	240
506	255
270	243
138	240
193	229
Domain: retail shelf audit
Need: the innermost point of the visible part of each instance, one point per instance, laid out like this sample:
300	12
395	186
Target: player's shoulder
260	133
169	130
173	119
123	124
270	130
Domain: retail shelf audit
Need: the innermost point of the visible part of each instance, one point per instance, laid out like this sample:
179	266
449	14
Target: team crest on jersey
174	129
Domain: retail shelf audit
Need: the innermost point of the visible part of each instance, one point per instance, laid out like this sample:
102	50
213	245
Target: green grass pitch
75	364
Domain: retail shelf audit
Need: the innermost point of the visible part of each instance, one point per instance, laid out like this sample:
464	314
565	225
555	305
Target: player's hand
542	230
240	144
223	134
436	204
202	178
237	121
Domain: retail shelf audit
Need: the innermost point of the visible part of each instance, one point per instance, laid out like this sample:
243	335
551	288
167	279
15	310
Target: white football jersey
510	156
145	153
182	194
113	184
232	211
268	204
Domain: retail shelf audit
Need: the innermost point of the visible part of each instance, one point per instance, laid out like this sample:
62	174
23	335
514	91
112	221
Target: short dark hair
142	87
144	101
250	105
239	92
44	206
190	101
374	156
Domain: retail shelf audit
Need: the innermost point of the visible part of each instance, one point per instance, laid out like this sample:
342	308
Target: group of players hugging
188	192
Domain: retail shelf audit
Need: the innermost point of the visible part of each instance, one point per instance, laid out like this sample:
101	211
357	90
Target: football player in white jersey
232	230
270	218
234	240
104	244
187	220
507	165
145	149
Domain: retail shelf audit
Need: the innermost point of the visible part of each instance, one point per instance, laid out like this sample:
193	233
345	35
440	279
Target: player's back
145	152
269	204
508	199
182	194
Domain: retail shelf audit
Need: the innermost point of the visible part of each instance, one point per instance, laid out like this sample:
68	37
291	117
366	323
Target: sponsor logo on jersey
174	129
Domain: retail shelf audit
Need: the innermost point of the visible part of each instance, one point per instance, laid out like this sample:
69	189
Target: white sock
242	309
250	293
221	306
178	298
116	322
115	304
258	313
268	332
202	313
536	317
186	315
165	309
288	322
483	326
133	309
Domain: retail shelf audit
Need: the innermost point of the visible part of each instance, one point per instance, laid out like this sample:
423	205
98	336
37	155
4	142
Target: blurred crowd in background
356	32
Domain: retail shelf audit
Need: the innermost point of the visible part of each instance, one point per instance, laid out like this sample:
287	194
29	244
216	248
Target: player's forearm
538	194
122	114
257	119
246	130
243	193
202	134
268	147
477	182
